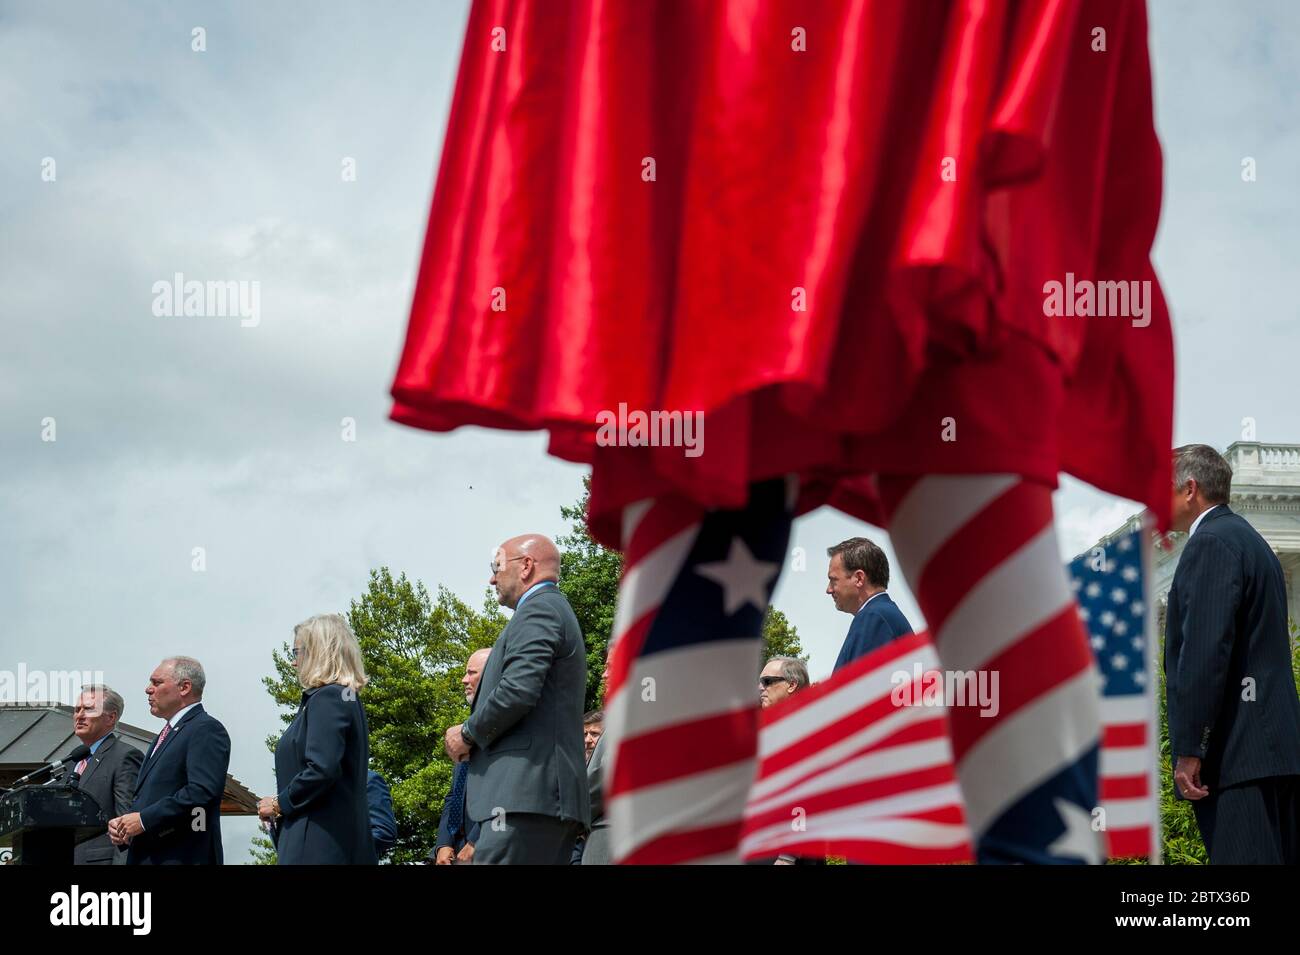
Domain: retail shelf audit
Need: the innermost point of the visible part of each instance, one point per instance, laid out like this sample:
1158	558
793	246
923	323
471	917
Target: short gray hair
188	668
1207	467
792	670
113	702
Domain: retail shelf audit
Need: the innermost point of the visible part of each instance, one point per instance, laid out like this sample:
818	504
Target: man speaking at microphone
175	818
108	773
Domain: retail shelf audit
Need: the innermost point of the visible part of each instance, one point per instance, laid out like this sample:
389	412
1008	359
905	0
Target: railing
1252	455
1279	455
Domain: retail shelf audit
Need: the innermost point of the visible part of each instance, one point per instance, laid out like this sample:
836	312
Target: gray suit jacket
597	850
110	780
526	721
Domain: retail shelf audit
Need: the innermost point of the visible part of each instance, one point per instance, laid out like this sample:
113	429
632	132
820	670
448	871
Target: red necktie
81	766
161	736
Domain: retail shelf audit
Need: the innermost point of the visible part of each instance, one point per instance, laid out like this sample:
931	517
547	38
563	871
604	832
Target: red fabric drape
919	170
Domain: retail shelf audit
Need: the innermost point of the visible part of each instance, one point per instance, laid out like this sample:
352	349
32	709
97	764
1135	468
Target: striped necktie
161	736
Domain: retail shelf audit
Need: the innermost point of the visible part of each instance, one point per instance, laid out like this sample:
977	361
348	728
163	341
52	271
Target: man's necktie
81	766
161	736
457	798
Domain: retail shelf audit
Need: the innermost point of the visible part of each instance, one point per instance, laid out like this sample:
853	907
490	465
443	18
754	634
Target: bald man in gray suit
527	787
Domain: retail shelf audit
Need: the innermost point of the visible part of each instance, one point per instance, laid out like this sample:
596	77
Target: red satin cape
828	226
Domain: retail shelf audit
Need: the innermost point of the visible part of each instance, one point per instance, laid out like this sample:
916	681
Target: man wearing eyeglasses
527	786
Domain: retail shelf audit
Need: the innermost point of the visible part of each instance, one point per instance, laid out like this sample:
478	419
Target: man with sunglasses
527	786
781	677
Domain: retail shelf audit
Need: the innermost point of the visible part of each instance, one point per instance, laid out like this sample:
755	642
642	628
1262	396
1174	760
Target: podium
46	822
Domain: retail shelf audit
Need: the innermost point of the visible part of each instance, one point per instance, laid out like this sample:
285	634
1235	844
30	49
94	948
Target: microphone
48	768
73	778
57	769
53	768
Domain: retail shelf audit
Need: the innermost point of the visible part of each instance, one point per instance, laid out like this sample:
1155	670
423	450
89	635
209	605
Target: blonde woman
319	814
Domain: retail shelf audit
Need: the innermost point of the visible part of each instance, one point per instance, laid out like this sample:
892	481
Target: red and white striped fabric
681	701
981	555
847	768
1129	779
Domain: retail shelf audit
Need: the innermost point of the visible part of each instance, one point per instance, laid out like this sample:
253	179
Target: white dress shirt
867	601
1200	517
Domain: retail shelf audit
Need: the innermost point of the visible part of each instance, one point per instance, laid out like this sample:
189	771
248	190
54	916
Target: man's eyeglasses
496	569
766	681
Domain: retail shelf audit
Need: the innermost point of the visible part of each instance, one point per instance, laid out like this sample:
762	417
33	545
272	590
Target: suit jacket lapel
151	757
93	762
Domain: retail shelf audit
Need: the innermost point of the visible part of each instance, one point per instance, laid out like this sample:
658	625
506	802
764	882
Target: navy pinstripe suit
1231	694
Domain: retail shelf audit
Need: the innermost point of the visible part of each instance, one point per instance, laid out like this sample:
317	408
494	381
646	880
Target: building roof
32	734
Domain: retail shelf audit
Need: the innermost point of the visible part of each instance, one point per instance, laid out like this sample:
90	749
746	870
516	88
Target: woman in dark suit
319	815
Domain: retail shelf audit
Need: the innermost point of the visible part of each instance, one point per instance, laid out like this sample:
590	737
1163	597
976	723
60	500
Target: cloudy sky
179	433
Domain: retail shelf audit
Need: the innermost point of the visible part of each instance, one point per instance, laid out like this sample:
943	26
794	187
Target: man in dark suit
383	824
175	817
108	774
457	833
858	576
527	786
596	848
1234	717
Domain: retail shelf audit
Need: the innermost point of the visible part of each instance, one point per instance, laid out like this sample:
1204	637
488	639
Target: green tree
414	650
780	638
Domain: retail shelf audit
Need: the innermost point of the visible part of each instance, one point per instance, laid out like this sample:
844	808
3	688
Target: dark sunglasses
767	681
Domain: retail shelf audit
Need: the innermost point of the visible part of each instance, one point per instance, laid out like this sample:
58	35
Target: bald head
522	562
473	671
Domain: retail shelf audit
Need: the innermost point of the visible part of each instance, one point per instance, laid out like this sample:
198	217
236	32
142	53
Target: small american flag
1110	584
854	767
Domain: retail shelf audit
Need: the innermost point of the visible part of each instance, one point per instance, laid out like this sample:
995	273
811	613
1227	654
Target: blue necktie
457	818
